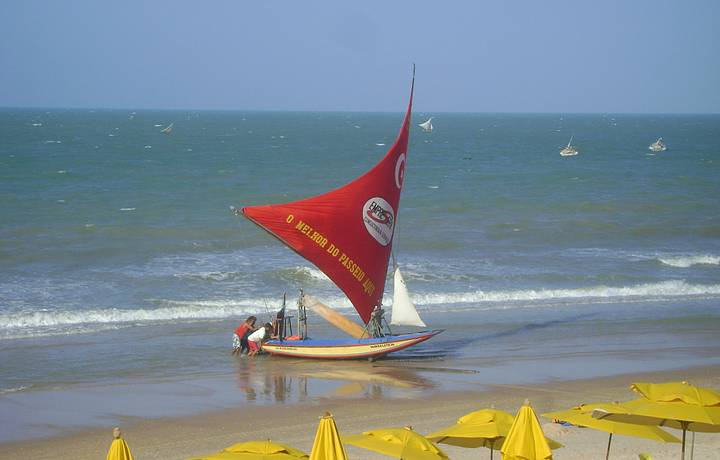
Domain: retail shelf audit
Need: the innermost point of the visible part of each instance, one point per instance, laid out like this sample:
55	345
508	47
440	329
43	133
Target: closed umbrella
327	445
403	443
582	416
119	449
526	440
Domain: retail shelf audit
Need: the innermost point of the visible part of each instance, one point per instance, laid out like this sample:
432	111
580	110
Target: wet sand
295	423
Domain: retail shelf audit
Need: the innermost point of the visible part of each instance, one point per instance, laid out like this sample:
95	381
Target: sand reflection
274	380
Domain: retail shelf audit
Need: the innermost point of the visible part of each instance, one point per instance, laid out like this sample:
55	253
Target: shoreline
295	423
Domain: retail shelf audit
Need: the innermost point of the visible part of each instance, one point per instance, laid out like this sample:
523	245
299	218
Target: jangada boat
348	234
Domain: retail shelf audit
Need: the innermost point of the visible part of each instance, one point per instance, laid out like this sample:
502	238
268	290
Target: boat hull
370	348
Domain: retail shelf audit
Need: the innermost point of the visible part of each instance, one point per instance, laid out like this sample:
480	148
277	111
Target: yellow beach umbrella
526	440
582	416
327	445
403	443
119	449
676	405
481	428
256	450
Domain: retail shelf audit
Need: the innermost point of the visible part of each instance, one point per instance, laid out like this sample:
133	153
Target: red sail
347	233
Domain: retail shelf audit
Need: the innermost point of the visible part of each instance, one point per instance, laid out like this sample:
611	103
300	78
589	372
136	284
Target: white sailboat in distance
167	129
569	150
658	146
427	126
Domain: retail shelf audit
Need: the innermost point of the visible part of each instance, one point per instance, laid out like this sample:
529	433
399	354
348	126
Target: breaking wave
689	261
664	289
49	322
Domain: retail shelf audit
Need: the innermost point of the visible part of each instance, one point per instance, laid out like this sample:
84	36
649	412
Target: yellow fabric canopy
327	445
526	440
674	404
482	428
582	416
119	450
673	392
403	443
256	450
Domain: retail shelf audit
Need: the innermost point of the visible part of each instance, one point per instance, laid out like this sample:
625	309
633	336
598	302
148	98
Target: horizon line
3	107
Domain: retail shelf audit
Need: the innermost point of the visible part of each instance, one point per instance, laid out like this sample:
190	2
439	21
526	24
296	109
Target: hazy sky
471	56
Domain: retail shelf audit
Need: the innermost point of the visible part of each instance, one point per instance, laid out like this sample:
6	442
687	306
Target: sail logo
400	171
379	219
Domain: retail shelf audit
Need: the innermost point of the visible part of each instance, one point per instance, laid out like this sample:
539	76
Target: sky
597	56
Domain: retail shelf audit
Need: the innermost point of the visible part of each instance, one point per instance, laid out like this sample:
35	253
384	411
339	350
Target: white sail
569	150
427	126
167	129
658	146
403	310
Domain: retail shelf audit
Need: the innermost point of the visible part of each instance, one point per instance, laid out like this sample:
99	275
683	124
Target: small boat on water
167	129
658	146
427	125
348	234
569	150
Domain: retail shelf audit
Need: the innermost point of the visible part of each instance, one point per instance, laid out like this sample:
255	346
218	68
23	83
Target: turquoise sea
122	266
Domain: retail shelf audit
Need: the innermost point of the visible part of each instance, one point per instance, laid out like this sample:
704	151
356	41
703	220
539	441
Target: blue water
120	259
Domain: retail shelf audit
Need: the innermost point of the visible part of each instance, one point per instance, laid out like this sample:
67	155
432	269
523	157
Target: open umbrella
403	443
676	405
481	428
327	445
582	416
256	450
526	440
119	449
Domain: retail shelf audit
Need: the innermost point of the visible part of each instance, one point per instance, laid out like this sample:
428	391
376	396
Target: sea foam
689	261
47	322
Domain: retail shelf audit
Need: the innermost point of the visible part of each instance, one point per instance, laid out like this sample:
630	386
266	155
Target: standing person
240	342
256	339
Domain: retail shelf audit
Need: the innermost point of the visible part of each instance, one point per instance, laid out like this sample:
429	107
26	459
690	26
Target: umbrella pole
684	427
491	451
692	447
607	455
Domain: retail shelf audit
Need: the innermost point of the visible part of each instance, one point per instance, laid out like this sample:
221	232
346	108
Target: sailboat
167	129
569	150
427	125
658	145
348	234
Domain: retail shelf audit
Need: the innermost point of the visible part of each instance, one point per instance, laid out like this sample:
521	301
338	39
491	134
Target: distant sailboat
167	129
569	150
658	146
427	126
403	310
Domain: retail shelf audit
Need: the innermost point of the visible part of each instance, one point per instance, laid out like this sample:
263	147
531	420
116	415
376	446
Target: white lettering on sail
400	171
379	219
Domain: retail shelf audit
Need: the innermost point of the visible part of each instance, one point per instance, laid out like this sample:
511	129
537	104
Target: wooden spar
335	318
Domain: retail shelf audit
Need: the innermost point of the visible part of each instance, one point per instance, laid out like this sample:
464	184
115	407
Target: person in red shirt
241	334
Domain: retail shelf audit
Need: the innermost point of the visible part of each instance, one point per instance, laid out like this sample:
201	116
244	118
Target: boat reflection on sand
265	381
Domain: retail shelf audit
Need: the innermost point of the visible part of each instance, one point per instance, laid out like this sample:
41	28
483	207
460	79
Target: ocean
123	269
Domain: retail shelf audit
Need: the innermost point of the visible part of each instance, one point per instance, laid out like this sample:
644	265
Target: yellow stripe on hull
368	348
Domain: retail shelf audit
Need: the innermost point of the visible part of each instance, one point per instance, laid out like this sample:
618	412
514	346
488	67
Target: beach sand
295	424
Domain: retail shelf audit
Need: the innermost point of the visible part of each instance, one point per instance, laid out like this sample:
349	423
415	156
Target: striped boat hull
346	348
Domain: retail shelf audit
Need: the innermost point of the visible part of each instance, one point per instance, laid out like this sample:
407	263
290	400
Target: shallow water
122	265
